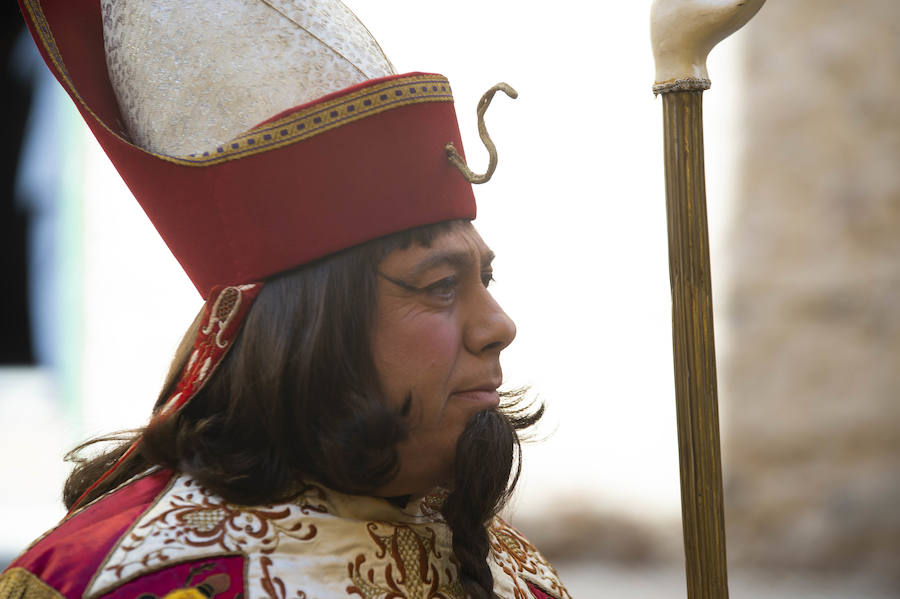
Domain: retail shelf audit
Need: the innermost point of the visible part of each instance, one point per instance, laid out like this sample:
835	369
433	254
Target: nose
489	329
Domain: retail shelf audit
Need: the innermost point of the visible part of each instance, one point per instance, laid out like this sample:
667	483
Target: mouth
486	397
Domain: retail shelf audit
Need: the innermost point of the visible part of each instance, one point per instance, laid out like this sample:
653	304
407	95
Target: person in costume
331	425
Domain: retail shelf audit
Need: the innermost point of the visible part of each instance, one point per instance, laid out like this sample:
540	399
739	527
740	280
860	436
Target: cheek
438	344
416	350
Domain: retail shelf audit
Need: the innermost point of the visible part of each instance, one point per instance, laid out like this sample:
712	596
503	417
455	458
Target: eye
487	277
444	290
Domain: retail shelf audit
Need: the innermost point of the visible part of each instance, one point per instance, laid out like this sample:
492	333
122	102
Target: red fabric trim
218	578
251	217
538	593
67	558
223	317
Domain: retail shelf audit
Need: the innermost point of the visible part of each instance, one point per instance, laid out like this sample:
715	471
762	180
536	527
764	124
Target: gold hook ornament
453	154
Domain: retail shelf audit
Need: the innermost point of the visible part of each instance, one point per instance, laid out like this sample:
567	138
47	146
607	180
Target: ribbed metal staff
683	32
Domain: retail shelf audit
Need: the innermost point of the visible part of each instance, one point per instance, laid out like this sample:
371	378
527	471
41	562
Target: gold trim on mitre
322	117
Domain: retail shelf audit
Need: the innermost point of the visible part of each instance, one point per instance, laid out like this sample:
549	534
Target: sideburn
485	454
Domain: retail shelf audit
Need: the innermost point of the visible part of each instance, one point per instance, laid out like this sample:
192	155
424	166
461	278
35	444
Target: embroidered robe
163	536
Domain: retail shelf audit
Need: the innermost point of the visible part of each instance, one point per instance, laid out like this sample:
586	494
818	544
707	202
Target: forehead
458	245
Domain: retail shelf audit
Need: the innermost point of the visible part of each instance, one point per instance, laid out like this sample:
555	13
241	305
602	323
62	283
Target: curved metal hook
454	156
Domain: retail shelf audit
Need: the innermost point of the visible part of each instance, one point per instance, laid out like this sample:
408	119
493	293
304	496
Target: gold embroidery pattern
432	503
411	574
19	583
516	548
322	117
273	585
321	544
195	519
519	558
299	126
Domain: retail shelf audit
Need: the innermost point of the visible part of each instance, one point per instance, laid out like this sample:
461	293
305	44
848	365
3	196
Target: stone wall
811	384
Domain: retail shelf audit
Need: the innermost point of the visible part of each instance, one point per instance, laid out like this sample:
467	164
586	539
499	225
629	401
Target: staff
683	32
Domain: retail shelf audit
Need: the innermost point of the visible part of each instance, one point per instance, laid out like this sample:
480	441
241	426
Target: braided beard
485	455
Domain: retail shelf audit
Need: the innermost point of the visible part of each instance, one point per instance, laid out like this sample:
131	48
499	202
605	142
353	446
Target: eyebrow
457	259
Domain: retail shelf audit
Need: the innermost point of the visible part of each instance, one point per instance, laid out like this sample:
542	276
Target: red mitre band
349	167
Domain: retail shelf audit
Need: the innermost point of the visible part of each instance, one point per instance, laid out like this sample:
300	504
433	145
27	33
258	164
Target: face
437	341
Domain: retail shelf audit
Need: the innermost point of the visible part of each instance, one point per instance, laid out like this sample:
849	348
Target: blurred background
802	149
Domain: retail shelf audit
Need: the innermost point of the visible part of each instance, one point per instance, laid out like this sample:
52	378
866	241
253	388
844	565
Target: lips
484	396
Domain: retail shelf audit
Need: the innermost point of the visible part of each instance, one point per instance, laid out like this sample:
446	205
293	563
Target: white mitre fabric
190	75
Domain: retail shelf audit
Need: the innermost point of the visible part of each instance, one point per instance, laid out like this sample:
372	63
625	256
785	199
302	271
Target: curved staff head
684	31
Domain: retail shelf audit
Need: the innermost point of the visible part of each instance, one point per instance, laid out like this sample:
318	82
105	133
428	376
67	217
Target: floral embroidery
432	503
413	572
194	518
224	316
273	585
517	548
322	544
519	558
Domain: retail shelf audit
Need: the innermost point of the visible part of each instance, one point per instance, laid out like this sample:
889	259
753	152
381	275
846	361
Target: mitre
258	136
190	75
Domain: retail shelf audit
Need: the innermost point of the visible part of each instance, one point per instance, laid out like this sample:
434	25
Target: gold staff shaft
693	342
682	33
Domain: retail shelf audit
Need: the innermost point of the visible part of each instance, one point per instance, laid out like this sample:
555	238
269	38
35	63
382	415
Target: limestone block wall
811	384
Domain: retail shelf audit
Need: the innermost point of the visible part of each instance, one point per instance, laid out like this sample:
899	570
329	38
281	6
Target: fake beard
485	454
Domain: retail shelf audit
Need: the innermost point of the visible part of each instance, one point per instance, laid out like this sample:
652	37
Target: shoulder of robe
164	537
517	557
63	561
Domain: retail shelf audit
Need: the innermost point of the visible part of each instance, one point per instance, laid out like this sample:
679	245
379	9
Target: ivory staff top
684	31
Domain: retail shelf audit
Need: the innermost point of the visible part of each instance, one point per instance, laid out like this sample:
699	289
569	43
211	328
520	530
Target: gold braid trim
324	116
19	583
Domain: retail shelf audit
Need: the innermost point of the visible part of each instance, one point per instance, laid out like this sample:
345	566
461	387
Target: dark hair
297	397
